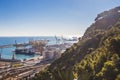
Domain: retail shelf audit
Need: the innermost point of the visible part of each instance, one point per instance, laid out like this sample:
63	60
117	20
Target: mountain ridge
103	21
96	56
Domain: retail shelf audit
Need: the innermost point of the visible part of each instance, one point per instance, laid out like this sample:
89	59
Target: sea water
7	52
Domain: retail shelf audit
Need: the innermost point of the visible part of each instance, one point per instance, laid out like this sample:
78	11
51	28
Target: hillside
103	21
95	57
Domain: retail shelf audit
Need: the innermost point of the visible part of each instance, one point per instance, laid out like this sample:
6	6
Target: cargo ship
31	47
26	51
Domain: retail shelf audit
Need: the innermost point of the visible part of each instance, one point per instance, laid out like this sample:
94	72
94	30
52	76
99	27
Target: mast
63	40
0	53
13	56
16	44
57	40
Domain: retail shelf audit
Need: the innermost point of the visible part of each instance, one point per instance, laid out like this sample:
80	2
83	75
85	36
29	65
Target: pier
6	46
9	60
21	48
13	45
12	57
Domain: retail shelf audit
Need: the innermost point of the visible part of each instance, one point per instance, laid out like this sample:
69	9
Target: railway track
23	72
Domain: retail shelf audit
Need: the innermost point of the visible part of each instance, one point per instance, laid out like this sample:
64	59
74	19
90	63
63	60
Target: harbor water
7	52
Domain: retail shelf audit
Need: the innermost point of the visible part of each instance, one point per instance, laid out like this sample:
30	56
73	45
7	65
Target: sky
50	17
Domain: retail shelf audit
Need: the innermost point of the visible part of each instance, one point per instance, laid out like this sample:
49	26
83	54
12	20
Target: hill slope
95	57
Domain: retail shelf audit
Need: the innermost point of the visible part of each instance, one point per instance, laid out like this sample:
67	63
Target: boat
30	48
26	51
23	48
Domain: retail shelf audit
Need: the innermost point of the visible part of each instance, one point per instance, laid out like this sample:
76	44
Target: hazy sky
50	17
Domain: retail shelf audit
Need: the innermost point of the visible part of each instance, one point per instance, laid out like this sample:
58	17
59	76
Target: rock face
104	21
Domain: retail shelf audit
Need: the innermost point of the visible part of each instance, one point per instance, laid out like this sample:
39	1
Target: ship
30	48
26	51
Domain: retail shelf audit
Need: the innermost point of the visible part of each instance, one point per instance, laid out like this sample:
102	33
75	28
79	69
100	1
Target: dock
9	60
13	45
6	46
